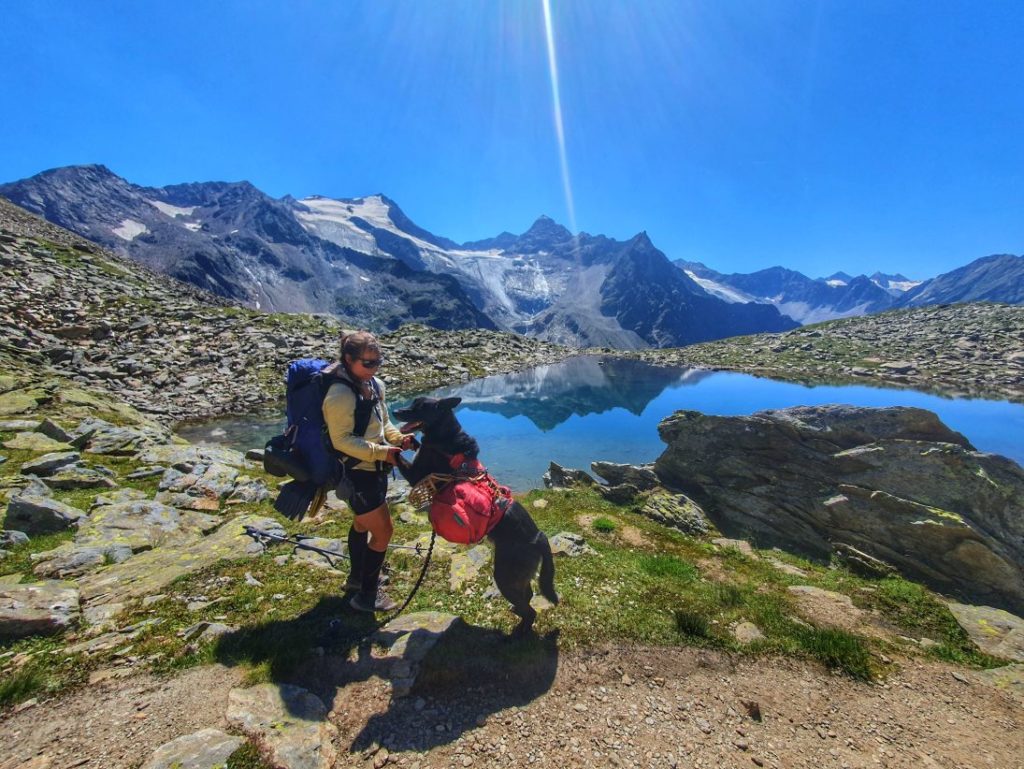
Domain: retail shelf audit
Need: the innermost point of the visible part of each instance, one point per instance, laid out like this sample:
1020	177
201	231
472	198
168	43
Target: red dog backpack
465	511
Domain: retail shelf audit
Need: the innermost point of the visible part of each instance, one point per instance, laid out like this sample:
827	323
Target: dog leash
265	537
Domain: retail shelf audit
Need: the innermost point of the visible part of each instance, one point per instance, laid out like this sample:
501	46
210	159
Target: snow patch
195	226
332	220
171	211
835	282
364	278
720	290
130	229
897	286
805	314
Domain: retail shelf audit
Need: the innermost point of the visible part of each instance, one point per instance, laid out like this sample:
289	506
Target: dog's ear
449	403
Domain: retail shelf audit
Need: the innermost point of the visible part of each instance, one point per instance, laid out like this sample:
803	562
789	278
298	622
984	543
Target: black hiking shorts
369	490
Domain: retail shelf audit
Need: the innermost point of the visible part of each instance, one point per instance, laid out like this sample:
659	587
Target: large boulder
893	483
36	514
38	608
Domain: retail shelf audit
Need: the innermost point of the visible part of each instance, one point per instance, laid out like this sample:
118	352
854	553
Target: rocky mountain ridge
364	260
236	242
179	353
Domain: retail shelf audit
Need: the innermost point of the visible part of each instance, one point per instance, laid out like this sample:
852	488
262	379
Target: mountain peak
548	228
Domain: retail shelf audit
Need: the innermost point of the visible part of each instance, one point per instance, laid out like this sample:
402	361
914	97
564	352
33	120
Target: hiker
373	454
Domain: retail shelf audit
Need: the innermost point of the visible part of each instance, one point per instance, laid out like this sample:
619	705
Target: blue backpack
304	451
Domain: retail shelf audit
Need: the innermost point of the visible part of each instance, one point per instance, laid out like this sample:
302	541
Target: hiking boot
379	602
354	584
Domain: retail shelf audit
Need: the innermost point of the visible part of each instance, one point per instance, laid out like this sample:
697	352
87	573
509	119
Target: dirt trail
613	707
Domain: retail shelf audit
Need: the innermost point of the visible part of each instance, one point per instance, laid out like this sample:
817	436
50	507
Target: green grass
248	756
838	650
19	559
667	566
692	624
604	525
20	685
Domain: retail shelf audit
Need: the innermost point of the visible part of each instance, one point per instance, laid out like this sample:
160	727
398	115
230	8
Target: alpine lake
589	408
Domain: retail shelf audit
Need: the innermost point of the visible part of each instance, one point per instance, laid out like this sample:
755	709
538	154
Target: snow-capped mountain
806	300
996	278
235	241
365	260
897	284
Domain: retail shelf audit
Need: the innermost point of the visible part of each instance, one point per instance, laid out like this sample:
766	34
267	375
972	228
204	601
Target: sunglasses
370	362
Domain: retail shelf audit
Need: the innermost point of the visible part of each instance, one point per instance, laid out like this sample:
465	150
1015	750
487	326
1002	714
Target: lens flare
556	104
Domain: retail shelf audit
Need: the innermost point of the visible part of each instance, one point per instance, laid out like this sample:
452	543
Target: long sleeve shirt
340	415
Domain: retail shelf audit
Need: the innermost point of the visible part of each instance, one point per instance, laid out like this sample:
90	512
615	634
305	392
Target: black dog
519	546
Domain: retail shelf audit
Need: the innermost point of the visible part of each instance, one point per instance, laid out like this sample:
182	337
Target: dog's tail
547	567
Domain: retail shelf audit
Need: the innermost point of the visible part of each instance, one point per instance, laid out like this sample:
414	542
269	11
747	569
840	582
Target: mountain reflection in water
588	408
549	395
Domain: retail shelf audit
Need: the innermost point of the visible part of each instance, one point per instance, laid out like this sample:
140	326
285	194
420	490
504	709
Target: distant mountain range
997	278
365	261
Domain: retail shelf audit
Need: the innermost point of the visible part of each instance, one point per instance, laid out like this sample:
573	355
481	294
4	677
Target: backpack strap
364	409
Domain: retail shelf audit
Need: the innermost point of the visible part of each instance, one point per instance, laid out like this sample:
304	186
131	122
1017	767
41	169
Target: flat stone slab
736	544
312	558
171	454
248	491
1009	679
80	477
443	549
121	495
828	609
35	442
825	608
16	403
289	720
206	749
19	425
466	566
409	639
112	533
570	544
12	538
676	511
104	438
50	463
34	514
39	608
150	572
995	631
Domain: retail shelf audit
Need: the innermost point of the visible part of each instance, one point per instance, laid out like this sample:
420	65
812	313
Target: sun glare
556	108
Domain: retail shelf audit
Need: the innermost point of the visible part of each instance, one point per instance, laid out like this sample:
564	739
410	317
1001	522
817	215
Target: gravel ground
609	707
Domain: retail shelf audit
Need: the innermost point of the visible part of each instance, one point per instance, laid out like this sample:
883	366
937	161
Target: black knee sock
357	548
373	562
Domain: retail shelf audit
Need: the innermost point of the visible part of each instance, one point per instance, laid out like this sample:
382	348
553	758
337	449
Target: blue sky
854	135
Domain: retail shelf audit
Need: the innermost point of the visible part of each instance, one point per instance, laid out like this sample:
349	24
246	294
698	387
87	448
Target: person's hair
355	343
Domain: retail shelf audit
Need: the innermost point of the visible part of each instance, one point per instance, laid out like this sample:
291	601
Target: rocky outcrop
893	483
961	349
205	749
289	720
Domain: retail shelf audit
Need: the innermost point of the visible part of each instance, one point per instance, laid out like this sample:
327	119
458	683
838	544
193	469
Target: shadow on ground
469	675
470	672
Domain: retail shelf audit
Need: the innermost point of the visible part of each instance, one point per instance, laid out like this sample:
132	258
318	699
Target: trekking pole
260	534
